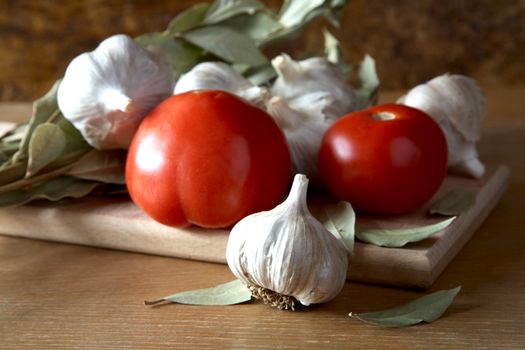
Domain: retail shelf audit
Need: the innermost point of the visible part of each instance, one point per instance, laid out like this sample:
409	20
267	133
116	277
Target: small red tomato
207	158
386	159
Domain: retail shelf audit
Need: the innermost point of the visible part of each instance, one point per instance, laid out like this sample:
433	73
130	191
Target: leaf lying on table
454	202
425	309
395	238
230	293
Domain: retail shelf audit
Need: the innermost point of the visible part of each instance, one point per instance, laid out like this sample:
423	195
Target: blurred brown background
412	41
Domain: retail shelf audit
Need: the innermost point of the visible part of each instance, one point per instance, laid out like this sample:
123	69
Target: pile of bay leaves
47	158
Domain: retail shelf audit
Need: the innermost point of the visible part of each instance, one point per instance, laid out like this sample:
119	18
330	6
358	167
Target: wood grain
118	223
65	296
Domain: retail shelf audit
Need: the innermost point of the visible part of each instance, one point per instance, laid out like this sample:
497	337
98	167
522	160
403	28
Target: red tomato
386	159
207	158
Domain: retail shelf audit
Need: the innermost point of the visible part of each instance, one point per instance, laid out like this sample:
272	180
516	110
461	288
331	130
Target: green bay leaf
296	12
230	293
47	143
226	44
424	309
103	166
334	53
188	19
367	92
45	109
395	238
222	10
181	55
454	202
53	190
340	221
257	26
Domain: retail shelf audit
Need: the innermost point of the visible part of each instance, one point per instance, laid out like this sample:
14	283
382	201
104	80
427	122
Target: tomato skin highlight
207	158
387	159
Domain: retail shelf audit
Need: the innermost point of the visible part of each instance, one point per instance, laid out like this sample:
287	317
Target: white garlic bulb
307	97
286	254
303	135
107	92
457	104
221	76
314	87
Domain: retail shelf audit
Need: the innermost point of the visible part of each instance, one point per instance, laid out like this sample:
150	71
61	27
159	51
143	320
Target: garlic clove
107	92
308	95
303	135
220	76
314	75
457	104
285	253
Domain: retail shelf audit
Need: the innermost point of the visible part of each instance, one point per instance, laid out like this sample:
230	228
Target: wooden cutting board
118	224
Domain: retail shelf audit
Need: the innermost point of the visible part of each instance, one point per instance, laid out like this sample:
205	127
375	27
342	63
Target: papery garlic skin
107	92
221	76
307	97
286	250
303	135
457	104
314	87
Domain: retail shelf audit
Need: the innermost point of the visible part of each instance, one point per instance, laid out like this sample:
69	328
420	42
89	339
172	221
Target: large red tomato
386	159
207	158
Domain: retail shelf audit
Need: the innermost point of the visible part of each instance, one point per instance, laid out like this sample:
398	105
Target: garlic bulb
286	254
314	87
302	134
221	76
307	97
457	104
107	92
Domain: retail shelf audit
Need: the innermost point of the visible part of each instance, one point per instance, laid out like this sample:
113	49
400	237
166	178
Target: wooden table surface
64	296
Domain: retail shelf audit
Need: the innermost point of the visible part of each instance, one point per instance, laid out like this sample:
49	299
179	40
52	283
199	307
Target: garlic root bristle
274	299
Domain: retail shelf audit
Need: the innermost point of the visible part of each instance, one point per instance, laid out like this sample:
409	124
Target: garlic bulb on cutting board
457	104
285	254
221	76
107	92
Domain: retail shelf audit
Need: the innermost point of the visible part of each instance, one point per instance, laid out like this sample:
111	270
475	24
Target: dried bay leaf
296	12
395	238
340	221
257	26
230	293
222	10
102	166
234	47
47	143
454	202
10	172
188	19
424	309
44	110
367	93
53	190
334	53
181	55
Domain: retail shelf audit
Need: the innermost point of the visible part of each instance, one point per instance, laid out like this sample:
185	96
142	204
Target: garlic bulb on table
221	76
107	92
285	254
307	97
457	104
